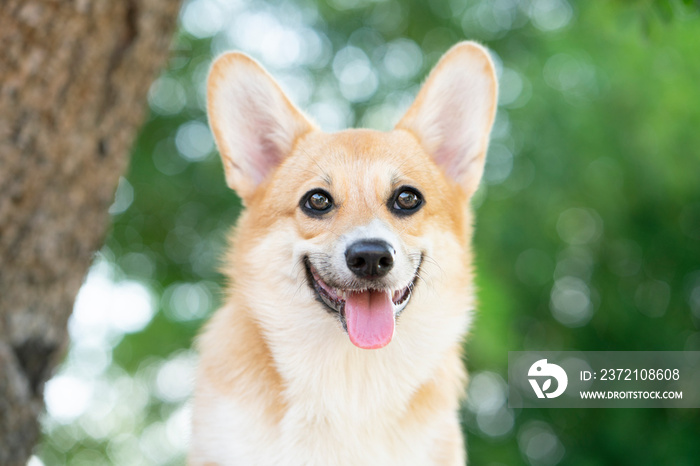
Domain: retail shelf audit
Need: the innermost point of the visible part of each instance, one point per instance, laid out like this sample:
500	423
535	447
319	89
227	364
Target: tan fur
279	382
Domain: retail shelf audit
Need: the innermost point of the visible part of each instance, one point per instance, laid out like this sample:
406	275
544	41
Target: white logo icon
542	369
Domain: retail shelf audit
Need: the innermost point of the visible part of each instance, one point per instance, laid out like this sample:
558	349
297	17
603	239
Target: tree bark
73	82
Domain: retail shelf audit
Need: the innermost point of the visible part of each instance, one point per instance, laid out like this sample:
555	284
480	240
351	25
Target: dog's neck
321	372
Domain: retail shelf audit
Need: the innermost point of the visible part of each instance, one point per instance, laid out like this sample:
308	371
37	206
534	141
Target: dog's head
361	216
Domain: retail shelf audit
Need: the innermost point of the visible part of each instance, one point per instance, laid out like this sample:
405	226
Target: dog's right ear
454	111
254	123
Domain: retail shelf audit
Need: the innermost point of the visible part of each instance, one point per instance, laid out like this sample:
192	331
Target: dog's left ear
454	111
254	123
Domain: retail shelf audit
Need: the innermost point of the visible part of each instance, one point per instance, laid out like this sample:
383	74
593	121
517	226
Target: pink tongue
370	319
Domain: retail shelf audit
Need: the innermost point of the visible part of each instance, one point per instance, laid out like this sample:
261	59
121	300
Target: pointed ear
454	111
254	123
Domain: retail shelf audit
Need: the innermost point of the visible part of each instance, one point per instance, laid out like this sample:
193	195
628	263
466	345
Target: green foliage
588	220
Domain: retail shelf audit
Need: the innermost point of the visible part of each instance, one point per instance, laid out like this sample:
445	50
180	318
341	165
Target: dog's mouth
368	315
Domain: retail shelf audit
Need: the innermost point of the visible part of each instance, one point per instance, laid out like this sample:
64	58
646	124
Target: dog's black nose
370	258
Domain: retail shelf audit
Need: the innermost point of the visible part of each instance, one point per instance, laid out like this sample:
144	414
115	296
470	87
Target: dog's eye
406	201
316	202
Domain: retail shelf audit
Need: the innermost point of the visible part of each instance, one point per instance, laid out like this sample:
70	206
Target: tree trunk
73	82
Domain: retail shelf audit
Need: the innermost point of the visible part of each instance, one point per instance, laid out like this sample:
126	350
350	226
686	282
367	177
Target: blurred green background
588	218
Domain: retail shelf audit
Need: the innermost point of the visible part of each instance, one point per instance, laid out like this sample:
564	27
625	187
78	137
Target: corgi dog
340	339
